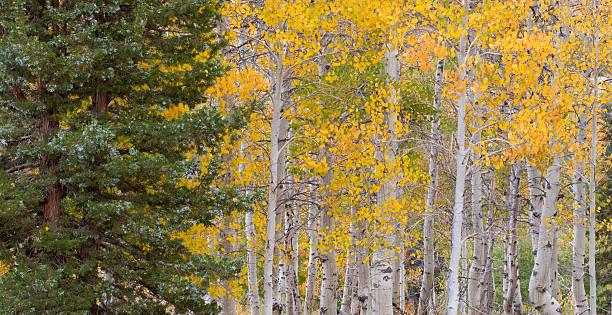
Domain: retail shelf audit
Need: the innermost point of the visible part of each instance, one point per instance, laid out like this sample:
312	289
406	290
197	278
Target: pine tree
97	177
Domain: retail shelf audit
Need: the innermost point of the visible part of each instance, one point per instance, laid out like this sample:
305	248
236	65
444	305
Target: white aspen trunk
463	307
487	293
329	281
554	268
512	291
401	276
398	266
456	239
592	181
350	278
363	271
382	275
273	190
428	237
279	276
291	214
313	237
478	254
292	292
539	283
536	201
580	219
251	260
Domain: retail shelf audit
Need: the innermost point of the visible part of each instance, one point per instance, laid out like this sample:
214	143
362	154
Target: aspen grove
306	157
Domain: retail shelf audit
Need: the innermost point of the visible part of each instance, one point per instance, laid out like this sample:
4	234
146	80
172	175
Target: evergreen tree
90	193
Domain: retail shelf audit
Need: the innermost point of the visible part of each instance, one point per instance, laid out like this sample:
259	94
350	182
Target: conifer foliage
103	117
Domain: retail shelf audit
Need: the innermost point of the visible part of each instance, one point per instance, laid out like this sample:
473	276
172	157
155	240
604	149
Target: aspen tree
460	159
428	232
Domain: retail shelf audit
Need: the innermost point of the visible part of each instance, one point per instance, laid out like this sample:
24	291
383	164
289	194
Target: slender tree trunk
292	292
279	284
539	283
536	201
592	181
456	239
327	256
478	255
580	219
311	277
428	237
363	270
329	281
53	193
350	278
382	258
511	267
487	293
273	189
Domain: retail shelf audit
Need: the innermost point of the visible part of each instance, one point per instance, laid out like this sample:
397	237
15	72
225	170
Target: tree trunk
273	189
329	281
487	293
456	239
292	292
478	255
428	237
580	219
539	283
363	270
311	277
536	201
382	275
350	278
592	181
511	268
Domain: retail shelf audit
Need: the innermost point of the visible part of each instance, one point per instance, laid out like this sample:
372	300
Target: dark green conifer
89	200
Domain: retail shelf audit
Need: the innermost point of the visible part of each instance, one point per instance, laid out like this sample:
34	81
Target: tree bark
382	275
592	181
273	188
456	239
478	255
539	283
511	306
329	280
428	237
350	278
580	219
311	277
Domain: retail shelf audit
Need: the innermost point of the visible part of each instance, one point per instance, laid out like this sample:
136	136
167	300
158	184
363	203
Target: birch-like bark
580	220
329	281
382	258
456	239
487	293
536	201
363	270
350	277
539	282
511	306
592	181
313	237
273	189
292	292
428	236
478	254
